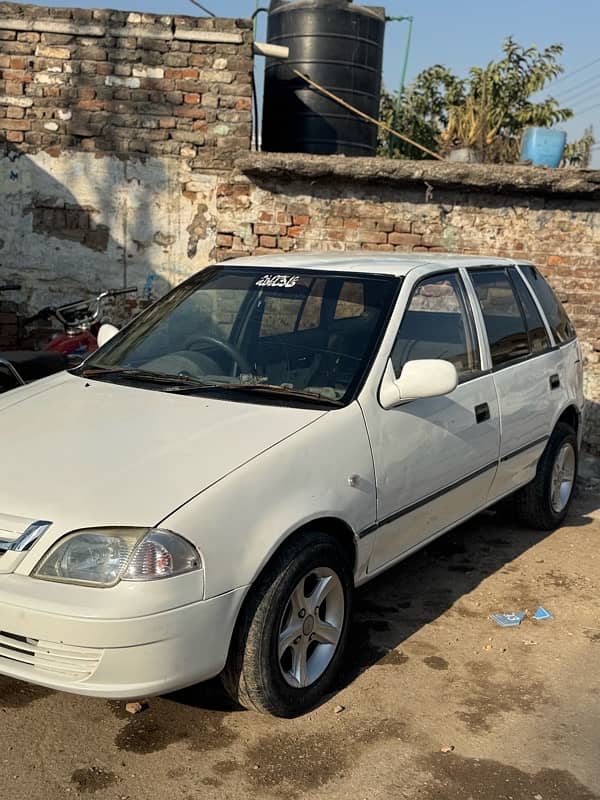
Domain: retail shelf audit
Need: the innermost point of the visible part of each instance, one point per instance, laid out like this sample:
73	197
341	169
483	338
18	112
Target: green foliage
489	109
579	153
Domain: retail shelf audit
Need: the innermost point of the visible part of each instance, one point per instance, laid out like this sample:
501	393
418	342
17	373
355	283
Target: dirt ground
439	702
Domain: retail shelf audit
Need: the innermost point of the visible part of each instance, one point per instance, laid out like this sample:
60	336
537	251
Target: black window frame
471	327
515	276
525	269
505	270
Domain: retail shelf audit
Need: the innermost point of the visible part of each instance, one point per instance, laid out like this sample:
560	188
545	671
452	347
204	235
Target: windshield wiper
184	384
147	376
260	388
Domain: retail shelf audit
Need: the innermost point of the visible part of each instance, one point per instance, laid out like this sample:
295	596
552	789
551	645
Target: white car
204	493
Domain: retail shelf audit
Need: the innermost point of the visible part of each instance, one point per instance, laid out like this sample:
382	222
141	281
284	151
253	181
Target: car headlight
104	556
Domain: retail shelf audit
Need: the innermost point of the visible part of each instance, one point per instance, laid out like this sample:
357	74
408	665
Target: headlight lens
103	557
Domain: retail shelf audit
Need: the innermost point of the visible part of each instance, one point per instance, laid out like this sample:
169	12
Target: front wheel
293	629
544	502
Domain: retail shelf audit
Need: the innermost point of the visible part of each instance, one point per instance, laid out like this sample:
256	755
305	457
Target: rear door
435	458
524	369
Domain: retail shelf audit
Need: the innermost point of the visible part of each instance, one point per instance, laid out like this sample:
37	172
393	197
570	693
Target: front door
435	459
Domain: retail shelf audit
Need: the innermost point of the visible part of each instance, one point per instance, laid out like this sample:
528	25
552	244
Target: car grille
66	661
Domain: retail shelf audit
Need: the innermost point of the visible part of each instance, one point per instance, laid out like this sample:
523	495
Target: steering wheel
233	353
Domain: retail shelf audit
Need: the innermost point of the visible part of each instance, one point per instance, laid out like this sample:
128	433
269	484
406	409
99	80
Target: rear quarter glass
558	319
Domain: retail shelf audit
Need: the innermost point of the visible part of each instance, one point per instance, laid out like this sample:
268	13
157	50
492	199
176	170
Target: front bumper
124	658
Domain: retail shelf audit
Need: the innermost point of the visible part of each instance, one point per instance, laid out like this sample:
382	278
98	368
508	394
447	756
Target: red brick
265	216
300	219
17	75
191	98
268	241
405	239
14	88
373	237
91	105
181	74
224	240
243	104
18	62
16	124
192	112
14	136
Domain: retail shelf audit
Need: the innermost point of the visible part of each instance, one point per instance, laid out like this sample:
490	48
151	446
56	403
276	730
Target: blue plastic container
544	147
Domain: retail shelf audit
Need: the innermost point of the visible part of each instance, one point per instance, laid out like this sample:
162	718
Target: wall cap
491	178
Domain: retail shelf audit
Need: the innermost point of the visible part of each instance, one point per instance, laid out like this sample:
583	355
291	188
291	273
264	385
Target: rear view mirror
106	333
428	377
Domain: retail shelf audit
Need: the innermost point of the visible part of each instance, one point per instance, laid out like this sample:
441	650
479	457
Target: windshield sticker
278	281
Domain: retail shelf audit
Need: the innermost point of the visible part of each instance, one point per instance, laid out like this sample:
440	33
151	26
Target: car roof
396	264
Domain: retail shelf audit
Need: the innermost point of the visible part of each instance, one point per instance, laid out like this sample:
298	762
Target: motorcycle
80	321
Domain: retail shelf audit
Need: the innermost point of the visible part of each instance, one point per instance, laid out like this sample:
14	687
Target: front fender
239	522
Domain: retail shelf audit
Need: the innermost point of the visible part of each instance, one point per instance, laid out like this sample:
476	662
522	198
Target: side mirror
106	333
428	377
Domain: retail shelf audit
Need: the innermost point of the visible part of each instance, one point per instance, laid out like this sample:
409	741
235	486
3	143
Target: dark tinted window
539	341
557	317
504	321
437	325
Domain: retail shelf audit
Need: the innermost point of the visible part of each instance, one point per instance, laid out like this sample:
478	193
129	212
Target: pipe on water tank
271	50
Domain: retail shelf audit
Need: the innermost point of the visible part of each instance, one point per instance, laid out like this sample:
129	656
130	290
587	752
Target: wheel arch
333	526
571	416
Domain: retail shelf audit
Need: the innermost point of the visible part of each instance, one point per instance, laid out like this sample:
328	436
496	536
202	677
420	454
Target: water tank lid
376	11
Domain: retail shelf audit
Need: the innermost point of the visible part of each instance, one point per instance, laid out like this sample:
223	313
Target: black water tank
340	46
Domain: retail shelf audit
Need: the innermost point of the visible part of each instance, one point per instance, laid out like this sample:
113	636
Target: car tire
544	503
293	629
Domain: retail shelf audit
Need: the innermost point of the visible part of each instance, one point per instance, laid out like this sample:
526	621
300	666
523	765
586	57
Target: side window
437	324
351	300
539	341
557	317
504	321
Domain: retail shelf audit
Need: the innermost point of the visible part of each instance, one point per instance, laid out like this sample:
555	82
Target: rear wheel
292	632
544	502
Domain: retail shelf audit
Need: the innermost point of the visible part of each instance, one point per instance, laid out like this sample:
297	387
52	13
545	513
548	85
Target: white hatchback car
204	493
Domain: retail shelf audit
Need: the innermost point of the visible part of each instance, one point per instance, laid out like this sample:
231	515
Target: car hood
80	452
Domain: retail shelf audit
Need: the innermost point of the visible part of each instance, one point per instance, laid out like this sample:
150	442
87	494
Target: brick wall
279	204
111	81
124	159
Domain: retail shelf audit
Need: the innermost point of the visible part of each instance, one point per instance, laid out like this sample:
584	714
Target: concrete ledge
478	177
51	26
216	37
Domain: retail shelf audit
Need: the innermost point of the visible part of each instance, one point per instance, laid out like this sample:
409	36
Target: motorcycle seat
34	364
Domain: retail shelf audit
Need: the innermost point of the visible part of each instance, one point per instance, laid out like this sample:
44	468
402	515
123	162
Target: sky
459	34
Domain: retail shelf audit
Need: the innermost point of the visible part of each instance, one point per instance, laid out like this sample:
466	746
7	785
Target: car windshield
304	334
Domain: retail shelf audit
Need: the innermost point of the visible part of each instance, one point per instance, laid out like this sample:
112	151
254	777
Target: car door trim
523	449
428	499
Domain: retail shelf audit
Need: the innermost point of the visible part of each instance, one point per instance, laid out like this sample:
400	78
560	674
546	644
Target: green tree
579	152
488	109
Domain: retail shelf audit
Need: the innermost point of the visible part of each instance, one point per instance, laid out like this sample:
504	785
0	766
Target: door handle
554	381
482	412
